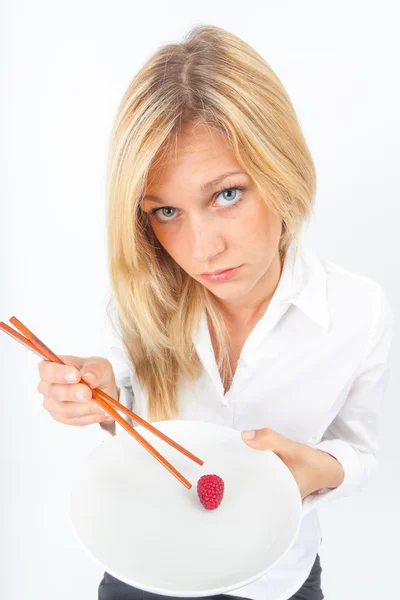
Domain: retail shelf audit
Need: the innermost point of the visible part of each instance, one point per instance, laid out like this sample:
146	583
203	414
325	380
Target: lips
217	272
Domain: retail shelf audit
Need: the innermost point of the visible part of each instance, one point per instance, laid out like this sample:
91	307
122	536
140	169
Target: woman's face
205	229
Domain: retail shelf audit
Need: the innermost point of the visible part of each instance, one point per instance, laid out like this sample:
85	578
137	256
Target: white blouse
314	368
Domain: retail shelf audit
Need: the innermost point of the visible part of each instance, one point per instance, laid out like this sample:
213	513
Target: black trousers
111	588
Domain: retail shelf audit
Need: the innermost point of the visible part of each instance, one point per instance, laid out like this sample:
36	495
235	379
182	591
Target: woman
209	172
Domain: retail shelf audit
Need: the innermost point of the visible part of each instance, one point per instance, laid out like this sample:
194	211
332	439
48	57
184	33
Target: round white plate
148	530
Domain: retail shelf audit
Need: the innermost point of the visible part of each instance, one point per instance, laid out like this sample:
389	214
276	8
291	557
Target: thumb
97	372
265	439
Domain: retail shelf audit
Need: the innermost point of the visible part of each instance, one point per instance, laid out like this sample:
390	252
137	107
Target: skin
203	230
70	400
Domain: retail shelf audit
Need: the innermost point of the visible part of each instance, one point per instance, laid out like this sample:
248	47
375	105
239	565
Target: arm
352	437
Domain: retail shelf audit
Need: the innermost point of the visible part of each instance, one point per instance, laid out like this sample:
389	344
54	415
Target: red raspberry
210	489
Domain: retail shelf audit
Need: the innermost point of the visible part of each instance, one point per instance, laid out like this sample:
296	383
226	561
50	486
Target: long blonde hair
215	78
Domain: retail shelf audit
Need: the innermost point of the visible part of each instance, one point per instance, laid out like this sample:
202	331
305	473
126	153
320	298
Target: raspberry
210	489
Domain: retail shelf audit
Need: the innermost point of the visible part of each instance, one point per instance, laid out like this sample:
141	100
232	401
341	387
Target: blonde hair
213	78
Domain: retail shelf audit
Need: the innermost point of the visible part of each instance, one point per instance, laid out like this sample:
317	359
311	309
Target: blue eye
157	210
234	200
232	203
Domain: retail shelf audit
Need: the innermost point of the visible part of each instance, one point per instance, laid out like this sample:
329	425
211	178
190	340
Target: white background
66	67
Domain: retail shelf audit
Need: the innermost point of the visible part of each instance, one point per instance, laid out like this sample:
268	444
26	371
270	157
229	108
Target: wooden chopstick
104	400
40	348
98	391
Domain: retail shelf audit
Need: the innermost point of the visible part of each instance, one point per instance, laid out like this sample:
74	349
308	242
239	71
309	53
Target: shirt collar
303	282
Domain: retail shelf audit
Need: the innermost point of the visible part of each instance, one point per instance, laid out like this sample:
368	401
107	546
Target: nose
206	242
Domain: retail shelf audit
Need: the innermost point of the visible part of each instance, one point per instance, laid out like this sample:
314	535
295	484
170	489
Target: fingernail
71	376
89	376
80	395
248	435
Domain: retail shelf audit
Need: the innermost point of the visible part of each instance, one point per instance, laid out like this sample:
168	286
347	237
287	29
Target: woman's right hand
67	398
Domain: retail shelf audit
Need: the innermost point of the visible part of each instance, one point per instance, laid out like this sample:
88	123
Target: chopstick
106	402
98	391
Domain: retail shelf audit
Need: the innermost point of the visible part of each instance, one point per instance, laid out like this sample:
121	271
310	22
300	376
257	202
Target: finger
79	392
97	372
65	393
265	439
44	388
52	372
62	411
86	420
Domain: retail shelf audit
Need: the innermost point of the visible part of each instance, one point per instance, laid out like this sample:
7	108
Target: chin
232	295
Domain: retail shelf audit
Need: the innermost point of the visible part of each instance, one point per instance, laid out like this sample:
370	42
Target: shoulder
361	299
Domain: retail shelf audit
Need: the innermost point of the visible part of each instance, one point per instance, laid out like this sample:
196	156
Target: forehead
199	154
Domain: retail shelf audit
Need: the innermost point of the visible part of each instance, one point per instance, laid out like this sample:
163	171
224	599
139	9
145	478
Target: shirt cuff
349	459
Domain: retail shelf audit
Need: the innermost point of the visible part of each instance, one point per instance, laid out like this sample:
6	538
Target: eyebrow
203	187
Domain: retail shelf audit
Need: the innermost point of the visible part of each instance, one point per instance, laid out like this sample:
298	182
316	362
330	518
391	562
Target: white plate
145	528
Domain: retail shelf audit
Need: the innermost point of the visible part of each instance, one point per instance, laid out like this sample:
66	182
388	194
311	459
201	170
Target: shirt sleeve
123	376
352	437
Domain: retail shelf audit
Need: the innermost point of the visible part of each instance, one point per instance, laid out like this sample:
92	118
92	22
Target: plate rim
185	593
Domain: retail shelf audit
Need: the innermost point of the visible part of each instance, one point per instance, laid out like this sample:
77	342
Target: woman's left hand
312	469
